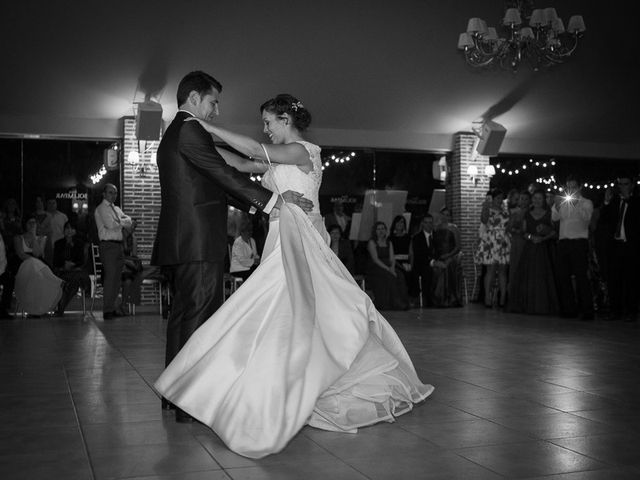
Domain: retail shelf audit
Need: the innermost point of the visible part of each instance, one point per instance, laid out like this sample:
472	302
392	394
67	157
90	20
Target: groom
196	185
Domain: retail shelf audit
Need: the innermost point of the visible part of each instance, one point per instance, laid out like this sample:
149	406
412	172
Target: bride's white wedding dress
298	343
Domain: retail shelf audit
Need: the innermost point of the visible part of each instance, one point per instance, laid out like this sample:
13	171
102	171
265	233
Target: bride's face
274	127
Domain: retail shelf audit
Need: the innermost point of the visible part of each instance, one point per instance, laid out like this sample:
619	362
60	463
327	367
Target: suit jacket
76	255
196	185
330	219
422	253
611	214
345	254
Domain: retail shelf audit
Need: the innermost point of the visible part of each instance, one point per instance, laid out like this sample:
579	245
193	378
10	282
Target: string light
341	157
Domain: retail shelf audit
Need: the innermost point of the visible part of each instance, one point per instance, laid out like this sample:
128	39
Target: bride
299	342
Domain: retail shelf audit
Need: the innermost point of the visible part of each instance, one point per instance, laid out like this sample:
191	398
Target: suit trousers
112	258
623	278
573	261
197	292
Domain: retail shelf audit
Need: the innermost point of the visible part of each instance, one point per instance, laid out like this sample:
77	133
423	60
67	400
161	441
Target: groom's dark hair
199	81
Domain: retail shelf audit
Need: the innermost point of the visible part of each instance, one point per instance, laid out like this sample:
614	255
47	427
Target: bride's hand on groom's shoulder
206	125
296	198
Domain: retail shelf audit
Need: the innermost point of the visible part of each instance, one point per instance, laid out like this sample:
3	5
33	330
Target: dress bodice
538	226
282	177
444	242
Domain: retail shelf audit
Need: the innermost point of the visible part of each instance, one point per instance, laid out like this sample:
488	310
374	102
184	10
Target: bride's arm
291	153
240	163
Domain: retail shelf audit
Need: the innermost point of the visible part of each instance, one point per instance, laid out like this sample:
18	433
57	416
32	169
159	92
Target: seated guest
385	281
339	217
6	280
69	259
447	273
421	255
42	217
244	253
57	219
341	247
37	289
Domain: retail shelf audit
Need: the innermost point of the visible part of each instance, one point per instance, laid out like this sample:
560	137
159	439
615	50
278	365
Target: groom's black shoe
167	405
183	417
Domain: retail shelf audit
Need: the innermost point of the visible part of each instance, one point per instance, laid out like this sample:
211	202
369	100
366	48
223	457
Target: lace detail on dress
283	177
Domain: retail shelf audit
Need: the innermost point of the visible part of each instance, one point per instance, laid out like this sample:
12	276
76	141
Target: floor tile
520	460
466	433
141	460
614	449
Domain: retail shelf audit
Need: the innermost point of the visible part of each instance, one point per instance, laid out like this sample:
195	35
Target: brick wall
141	196
464	196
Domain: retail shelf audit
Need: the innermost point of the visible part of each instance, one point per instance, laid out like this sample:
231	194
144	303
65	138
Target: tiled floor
516	397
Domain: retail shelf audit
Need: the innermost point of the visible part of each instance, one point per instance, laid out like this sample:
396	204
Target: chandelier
537	36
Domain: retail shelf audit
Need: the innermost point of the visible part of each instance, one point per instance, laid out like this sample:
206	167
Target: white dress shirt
243	255
110	220
574	218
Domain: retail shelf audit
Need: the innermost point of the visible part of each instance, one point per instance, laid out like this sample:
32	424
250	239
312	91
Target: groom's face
206	106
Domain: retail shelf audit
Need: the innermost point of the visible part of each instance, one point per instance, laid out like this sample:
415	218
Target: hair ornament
296	105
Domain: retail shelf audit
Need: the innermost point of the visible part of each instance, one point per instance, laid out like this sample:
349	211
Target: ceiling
373	73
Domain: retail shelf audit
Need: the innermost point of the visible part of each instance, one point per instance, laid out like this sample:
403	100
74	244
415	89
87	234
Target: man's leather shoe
183	417
109	315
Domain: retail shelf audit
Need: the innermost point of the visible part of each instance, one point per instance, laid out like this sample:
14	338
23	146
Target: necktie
621	212
115	213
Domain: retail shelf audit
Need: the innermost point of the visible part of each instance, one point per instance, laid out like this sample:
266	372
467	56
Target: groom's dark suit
191	241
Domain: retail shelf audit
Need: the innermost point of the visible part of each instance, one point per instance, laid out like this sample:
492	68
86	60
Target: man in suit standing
421	258
196	184
339	217
621	214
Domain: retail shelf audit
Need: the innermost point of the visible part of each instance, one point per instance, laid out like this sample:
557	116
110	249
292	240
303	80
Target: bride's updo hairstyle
285	103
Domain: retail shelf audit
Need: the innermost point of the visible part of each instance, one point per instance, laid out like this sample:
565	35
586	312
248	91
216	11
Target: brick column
464	196
141	195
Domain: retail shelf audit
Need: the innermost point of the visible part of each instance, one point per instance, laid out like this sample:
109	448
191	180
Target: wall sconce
472	171
137	160
489	171
133	159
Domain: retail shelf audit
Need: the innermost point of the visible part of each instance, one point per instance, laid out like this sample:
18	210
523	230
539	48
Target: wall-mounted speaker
491	137
149	121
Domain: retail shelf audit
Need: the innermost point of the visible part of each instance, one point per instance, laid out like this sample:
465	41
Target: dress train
297	343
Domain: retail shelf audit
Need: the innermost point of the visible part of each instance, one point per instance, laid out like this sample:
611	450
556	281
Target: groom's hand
294	197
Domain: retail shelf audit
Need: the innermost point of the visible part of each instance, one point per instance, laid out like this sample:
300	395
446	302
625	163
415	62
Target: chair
161	288
230	284
96	277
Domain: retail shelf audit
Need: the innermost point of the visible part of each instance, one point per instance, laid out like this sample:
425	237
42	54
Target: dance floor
515	397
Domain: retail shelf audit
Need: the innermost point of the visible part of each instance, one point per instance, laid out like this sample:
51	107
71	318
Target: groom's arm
198	148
